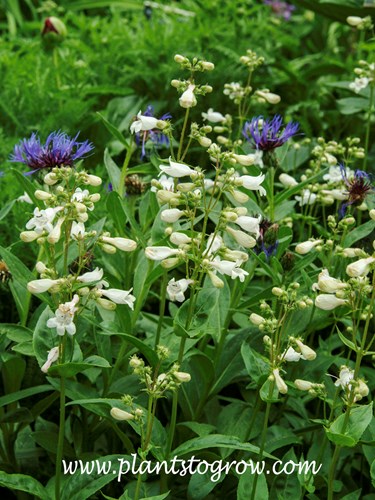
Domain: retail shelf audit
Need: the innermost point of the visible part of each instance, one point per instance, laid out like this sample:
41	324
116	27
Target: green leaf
24	393
18	415
147	351
21	275
28	186
265	392
16	333
359	233
246	484
287	485
21	482
114	131
6	209
71	369
352	105
215	441
359	419
113	170
346	341
256	365
82	485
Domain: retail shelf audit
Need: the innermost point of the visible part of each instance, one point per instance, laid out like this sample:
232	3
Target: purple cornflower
154	135
359	186
59	150
267	241
281	9
266	134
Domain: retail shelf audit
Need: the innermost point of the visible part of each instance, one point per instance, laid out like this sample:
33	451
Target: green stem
263	437
183	134
368	125
60	441
271	196
163	296
332	471
121	187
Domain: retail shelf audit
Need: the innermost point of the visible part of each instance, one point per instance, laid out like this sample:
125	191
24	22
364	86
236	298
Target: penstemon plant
201	303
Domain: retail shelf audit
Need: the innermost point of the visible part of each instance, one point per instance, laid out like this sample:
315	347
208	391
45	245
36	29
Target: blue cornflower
59	150
359	186
281	9
267	135
146	133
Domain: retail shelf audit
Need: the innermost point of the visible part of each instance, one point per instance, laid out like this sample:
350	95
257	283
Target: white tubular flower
306	198
346	375
280	384
177	289
143	123
256	319
359	84
63	320
229	268
166	183
180	239
92	180
328	284
80	195
119	296
123	244
213	116
175	169
336	194
242	238
250	224
182	376
307	246
352	252
25	198
171	215
53	355
160	253
245	160
269	96
327	302
28	236
91	277
287	180
215	280
306	351
188	99
55	235
121	415
303	385
360	268
214	243
41	286
291	355
253	183
42	220
78	230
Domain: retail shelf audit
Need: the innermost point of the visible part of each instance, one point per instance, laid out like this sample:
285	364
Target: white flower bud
41	286
171	262
50	179
124	244
108	248
277	291
28	236
180	59
256	319
188	99
118	414
94	198
171	215
165	196
280	384
208	66
354	21
92	180
180	239
269	97
215	280
287	180
372	214
42	195
306	351
239	196
55	234
40	267
303	385
327	302
160	252
307	246
205	142
182	376
242	238
106	304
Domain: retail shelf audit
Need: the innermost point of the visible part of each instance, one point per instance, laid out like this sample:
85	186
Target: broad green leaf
256	365
359	419
215	441
246	485
359	233
16	333
71	369
6	209
24	393
114	131
21	482
287	485
352	105
265	392
27	186
149	353
85	482
200	485
113	170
